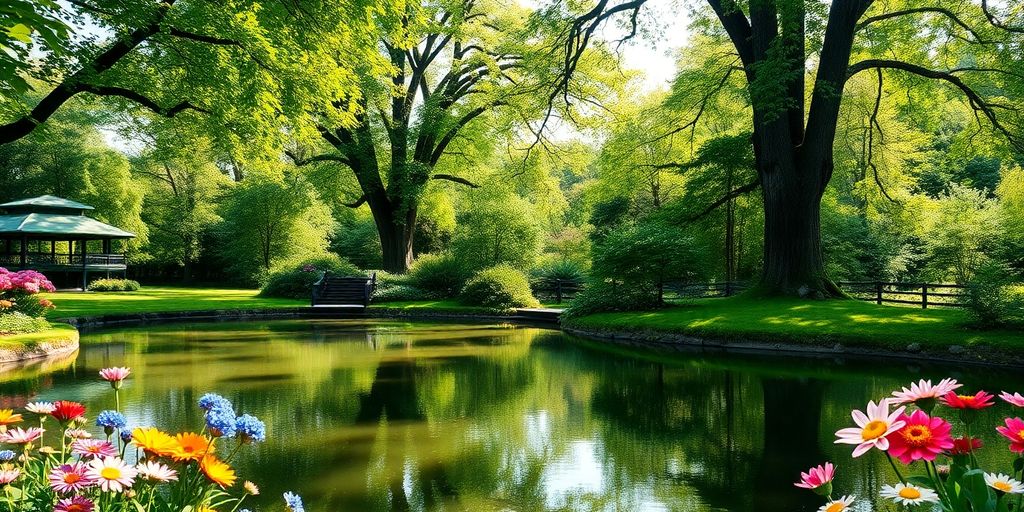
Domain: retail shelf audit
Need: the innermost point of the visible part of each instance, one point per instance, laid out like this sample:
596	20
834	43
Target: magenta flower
93	448
922	437
74	504
818	477
69	478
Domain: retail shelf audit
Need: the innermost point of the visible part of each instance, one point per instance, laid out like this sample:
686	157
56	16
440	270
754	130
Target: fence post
728	288
878	292
924	296
558	291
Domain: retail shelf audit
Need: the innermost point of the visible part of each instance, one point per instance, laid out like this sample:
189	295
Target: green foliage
566	271
438	276
609	295
398	292
648	255
991	299
20	22
356	240
270	221
501	287
963	233
114	285
497	228
295	280
608	215
20	323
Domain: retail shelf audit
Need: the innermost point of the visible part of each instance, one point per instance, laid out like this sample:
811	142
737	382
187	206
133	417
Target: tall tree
773	42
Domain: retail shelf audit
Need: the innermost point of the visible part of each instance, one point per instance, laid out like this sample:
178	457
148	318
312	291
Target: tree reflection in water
379	415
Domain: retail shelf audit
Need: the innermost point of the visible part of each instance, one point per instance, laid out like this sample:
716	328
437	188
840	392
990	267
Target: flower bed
934	460
130	469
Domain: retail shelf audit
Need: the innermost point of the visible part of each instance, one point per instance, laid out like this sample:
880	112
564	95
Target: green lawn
847	321
440	306
152	299
56	333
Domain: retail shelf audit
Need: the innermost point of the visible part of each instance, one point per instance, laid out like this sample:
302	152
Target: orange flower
218	471
154	442
7	417
191	446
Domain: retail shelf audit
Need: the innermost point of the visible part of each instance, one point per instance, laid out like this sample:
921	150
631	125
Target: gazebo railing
62	260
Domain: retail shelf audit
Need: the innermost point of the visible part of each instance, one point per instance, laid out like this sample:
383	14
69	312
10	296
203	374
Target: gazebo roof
52	217
45	202
58	226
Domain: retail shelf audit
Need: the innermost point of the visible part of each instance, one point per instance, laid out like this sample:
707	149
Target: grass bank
59	338
161	299
849	322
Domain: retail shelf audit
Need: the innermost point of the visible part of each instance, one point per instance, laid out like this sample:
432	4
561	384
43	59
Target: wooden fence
560	290
916	294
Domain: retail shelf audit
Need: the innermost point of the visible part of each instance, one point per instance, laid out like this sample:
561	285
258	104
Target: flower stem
894	468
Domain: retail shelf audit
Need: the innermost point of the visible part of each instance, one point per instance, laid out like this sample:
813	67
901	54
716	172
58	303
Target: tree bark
396	236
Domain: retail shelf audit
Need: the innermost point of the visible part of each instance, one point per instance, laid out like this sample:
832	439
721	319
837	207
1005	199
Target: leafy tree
497	228
647	256
963	233
20	21
268	221
182	190
793	138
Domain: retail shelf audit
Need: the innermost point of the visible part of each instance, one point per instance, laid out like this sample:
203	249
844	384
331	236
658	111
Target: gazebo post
53	252
24	251
85	269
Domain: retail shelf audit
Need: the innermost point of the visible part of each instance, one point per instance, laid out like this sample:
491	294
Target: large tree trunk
396	233
793	261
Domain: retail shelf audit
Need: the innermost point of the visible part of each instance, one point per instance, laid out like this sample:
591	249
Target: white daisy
840	505
1003	483
909	494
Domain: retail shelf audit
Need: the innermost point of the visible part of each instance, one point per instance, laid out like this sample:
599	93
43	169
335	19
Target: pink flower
9	475
1014	431
979	400
115	374
923	390
872	429
1015	399
922	437
817	477
68	478
93	448
74	504
19	436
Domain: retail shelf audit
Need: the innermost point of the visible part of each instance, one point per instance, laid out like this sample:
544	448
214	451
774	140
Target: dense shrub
602	296
497	227
114	285
398	292
19	292
991	299
564	270
438	276
500	287
295	281
19	323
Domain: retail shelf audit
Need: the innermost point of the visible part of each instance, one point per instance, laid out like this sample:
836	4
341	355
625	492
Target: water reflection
395	416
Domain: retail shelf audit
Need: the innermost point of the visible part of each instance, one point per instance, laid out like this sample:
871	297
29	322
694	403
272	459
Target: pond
385	415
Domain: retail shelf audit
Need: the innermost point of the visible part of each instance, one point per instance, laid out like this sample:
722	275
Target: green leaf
921	481
21	32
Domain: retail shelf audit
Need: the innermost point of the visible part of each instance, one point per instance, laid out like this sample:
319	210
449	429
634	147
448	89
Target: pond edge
66	342
957	354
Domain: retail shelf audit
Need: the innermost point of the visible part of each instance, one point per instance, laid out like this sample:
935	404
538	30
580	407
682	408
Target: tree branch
976	101
919	10
299	161
456	179
996	22
359	202
737	192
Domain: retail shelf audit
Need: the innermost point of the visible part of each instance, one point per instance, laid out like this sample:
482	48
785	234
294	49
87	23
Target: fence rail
916	294
561	290
35	259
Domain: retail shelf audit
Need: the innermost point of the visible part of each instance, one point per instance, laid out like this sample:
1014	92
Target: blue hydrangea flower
111	420
251	428
294	502
221	421
7	455
210	401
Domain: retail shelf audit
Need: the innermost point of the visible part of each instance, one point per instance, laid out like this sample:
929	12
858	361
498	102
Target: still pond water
384	415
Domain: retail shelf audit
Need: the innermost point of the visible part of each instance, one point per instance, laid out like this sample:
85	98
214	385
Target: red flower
965	445
979	400
65	411
1014	431
922	437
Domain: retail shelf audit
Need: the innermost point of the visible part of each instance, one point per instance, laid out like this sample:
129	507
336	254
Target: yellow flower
218	471
154	442
7	417
191	446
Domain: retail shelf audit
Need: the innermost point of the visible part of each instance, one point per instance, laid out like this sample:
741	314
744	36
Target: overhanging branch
142	100
920	10
456	179
737	192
